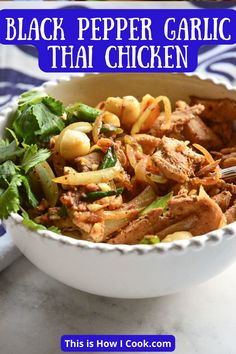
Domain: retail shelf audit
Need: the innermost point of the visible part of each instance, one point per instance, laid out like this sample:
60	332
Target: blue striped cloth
2	230
19	72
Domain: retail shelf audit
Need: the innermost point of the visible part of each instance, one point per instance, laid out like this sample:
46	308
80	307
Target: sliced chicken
208	214
228	160
176	160
230	214
71	200
195	214
223	200
88	162
224	186
179	118
137	229
217	110
148	142
198	132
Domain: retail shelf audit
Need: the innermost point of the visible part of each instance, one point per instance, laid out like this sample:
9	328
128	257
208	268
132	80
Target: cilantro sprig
10	198
34	226
38	117
14	176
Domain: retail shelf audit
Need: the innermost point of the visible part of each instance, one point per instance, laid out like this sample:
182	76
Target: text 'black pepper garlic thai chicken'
125	172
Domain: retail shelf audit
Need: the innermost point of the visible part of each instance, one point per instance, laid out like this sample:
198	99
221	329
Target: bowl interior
94	88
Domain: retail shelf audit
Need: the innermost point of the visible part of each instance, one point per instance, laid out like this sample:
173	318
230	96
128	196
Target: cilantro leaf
10	198
54	229
36	123
33	156
31	198
24	125
63	212
30	98
34	226
9	151
4	142
7	170
13	135
54	105
48	122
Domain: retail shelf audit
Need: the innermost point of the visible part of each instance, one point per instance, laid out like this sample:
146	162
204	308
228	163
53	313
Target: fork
228	173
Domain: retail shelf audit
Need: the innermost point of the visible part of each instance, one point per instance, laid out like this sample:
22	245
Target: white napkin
8	251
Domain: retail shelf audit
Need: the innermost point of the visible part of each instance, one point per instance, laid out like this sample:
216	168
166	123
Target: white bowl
124	271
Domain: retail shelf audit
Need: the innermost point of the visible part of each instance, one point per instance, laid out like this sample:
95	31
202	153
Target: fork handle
228	173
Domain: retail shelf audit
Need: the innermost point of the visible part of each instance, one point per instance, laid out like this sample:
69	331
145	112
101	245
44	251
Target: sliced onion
147	100
104	187
94	207
83	178
146	197
167	109
151	118
206	153
193	192
130	152
182	225
95	148
206	181
210	160
140	170
178	235
208	168
100	105
117	224
202	193
157	178
45	176
145	115
120	214
97	127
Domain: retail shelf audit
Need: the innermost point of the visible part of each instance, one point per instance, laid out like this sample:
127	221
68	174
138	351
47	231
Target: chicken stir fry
130	172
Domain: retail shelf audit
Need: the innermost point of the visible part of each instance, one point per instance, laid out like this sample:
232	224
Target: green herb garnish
160	202
109	159
37	118
14	175
33	156
10	198
9	151
92	196
150	240
110	129
34	226
81	112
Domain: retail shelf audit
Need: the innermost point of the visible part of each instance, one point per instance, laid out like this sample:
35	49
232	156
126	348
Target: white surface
36	310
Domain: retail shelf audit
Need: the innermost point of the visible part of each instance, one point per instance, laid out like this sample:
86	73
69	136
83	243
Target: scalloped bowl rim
197	242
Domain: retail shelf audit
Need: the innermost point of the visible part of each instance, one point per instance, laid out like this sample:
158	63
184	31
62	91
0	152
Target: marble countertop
35	310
